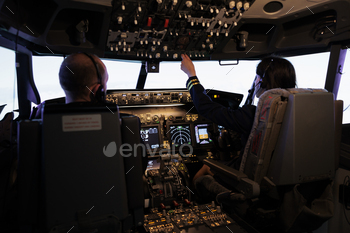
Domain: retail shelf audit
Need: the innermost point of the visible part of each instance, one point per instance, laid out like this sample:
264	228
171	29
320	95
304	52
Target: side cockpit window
343	92
8	87
45	73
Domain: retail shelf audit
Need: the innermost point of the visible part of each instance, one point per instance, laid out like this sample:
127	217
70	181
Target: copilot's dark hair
276	72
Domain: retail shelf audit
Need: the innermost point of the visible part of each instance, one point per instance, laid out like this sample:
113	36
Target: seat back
305	148
64	172
83	176
265	131
292	130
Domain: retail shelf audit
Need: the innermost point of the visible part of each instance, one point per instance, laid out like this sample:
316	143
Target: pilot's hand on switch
187	66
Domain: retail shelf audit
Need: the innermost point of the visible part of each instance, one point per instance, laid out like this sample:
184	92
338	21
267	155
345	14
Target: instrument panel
169	120
132	97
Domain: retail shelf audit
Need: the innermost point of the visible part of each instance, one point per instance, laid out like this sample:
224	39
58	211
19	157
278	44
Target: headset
100	93
263	77
252	90
259	83
267	68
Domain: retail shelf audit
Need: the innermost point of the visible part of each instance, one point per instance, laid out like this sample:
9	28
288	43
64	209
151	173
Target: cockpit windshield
311	73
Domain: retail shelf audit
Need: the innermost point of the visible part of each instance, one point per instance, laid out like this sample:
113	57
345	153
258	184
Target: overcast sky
311	73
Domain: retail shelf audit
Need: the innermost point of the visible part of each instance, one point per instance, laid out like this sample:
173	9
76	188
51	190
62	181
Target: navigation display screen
180	134
202	135
150	136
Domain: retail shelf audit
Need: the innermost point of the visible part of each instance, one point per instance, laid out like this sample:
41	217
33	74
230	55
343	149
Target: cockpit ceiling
163	29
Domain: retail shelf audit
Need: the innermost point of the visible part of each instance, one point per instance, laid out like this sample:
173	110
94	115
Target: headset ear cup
100	94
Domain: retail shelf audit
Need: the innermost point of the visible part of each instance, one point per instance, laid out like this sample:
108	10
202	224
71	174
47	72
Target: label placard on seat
81	122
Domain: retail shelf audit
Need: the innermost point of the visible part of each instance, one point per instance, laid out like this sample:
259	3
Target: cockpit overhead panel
163	29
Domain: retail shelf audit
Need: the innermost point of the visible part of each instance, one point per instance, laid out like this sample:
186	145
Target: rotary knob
231	4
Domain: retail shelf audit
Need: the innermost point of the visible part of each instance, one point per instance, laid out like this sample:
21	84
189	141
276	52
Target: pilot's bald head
78	76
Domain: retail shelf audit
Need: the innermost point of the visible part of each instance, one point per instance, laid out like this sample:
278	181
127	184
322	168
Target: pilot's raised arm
240	120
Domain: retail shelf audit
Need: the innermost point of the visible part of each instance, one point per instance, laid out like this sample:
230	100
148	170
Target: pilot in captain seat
83	78
271	72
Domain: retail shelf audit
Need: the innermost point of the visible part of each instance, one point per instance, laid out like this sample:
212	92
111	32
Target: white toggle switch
120	20
231	4
246	6
239	5
189	4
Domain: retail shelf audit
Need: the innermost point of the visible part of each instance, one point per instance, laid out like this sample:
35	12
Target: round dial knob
246	6
155	118
231	4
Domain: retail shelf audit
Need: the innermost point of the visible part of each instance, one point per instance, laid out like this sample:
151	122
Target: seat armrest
225	170
240	180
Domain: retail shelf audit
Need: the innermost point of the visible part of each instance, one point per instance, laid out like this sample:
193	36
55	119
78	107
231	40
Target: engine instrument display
202	134
150	136
180	134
